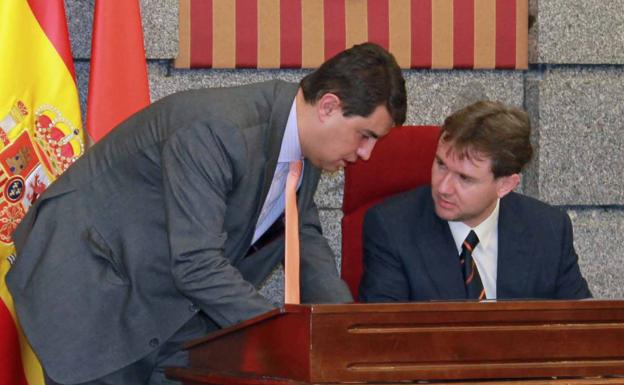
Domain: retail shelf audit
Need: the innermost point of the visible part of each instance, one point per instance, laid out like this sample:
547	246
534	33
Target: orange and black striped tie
474	286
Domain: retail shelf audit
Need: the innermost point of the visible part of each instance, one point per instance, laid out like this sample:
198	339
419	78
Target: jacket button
154	342
193	308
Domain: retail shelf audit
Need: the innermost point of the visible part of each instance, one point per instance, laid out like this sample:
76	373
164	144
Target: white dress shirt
290	150
485	254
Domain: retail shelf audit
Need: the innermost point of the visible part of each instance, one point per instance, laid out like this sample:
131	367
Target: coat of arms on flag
31	157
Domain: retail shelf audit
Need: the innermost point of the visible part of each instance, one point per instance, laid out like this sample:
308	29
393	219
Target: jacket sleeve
198	174
384	278
570	282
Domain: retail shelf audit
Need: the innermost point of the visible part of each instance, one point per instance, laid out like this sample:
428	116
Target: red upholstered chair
400	161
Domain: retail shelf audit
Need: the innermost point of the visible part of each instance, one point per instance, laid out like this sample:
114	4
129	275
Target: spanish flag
40	136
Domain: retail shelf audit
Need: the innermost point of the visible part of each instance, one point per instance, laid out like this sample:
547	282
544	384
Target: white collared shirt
485	254
290	150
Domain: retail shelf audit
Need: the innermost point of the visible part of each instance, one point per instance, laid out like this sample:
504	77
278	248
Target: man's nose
366	148
445	186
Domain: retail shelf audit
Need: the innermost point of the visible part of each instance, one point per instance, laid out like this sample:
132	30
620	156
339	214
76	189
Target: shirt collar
485	230
291	147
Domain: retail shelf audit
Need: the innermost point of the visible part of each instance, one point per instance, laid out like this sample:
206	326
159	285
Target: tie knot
471	241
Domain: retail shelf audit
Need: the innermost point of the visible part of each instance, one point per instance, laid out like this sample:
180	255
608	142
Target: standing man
421	245
163	230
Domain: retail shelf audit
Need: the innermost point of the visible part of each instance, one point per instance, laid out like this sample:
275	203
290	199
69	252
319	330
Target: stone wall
574	91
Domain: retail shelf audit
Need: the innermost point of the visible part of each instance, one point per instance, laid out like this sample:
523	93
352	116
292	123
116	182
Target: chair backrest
400	161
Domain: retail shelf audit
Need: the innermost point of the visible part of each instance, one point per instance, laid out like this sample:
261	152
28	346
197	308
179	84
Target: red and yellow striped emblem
304	33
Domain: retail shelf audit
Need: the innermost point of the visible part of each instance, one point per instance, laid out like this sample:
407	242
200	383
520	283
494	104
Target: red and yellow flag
40	136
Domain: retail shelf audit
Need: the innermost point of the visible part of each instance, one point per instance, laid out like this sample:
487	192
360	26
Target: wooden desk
518	342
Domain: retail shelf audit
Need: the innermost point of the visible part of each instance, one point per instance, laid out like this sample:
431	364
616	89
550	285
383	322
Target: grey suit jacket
152	225
410	255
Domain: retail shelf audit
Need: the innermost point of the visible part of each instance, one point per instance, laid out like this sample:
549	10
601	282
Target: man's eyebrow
371	133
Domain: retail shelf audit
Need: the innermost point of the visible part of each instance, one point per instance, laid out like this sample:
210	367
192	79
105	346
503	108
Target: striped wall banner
442	34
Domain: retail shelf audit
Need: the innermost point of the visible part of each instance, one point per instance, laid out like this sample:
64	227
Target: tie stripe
472	279
472	271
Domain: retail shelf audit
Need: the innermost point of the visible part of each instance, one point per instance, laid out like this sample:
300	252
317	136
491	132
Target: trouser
150	369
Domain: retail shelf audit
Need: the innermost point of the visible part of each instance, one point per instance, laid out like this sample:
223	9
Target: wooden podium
515	342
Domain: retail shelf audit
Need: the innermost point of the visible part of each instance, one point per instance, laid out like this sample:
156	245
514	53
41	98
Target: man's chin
332	167
446	215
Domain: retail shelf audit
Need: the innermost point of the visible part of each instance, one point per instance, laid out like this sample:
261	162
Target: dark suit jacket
153	224
410	255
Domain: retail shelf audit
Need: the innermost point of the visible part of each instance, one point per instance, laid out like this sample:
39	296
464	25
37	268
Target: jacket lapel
515	252
440	256
284	97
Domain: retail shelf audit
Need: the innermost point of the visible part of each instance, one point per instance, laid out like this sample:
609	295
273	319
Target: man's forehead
450	149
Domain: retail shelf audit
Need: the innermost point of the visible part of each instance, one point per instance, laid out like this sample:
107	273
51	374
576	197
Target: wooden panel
203	377
452	341
276	344
437	341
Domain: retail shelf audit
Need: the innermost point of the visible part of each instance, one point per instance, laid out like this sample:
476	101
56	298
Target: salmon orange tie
291	254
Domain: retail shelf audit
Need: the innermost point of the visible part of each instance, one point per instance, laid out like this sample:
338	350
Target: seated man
469	235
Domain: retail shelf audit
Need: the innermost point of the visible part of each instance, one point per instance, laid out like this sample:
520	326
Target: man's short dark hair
493	129
364	77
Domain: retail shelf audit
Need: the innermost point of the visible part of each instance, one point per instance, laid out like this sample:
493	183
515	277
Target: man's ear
507	184
327	105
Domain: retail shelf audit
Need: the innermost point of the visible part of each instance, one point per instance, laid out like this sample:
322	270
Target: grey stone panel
433	95
165	80
160	27
82	80
578	118
80	23
330	189
598	240
332	231
581	31
273	287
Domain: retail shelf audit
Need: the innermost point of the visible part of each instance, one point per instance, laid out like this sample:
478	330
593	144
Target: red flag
118	85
